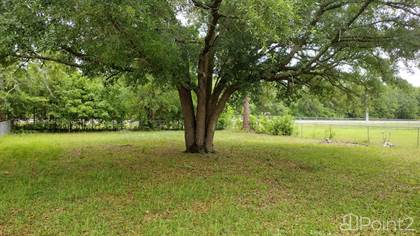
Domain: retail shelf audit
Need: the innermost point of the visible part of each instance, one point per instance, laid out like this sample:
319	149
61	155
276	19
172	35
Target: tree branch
338	34
302	41
46	58
199	4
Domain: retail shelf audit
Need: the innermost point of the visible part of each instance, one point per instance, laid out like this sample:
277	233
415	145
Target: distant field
400	134
382	123
140	183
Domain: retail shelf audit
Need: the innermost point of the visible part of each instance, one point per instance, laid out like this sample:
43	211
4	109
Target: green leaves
99	37
51	93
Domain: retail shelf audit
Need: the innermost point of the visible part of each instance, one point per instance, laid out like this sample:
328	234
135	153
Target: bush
253	122
226	119
262	125
237	123
283	125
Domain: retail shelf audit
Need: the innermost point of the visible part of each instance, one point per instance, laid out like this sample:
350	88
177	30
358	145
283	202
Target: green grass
133	183
405	137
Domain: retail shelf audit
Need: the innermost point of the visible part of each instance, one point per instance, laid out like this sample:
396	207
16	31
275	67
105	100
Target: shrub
283	125
253	122
237	123
226	119
262	125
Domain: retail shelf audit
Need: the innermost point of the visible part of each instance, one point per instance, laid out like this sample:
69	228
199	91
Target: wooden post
418	137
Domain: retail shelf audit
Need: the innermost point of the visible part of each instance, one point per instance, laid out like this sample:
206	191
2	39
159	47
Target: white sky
411	76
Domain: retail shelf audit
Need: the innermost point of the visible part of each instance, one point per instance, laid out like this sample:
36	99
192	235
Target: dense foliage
398	100
49	97
52	97
275	125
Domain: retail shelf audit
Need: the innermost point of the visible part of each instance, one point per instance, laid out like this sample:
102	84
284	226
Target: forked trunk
195	142
201	123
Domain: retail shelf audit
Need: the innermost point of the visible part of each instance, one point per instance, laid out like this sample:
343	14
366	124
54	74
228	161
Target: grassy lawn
141	183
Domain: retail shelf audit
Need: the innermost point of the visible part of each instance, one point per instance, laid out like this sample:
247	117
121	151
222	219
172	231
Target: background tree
52	97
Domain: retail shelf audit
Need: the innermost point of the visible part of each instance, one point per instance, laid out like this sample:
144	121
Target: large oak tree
209	49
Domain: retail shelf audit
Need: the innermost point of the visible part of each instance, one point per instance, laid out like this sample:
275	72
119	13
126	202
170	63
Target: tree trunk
210	130
189	119
205	72
246	114
213	111
200	126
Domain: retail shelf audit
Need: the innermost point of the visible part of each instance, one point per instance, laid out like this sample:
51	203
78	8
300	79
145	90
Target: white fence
397	123
5	127
402	133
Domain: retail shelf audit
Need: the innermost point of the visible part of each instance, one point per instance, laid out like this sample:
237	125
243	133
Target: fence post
368	135
418	137
330	132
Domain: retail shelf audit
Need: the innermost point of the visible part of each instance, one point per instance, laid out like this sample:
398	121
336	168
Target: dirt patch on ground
75	153
277	163
152	216
198	207
86	151
118	149
262	199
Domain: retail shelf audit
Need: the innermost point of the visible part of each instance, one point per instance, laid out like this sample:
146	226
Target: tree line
51	97
399	100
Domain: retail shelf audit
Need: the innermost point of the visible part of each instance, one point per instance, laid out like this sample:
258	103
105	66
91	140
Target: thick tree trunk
200	132
214	109
210	130
197	140
246	114
189	119
201	125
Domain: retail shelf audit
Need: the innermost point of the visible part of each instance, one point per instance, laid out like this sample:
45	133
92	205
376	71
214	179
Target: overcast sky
413	77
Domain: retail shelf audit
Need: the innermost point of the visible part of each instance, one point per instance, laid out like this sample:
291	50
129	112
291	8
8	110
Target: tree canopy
211	49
